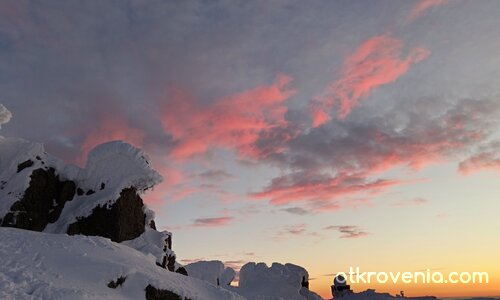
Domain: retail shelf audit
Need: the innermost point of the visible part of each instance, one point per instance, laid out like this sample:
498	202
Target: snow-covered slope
54	266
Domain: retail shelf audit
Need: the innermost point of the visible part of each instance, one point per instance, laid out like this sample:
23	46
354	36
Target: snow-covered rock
212	271
55	266
289	281
39	192
157	245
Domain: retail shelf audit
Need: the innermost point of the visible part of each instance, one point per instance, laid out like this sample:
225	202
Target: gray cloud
212	222
346	157
216	175
296	211
348	232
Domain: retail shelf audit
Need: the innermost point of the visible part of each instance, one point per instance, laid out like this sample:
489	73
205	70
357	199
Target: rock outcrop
38	192
42	201
153	293
123	220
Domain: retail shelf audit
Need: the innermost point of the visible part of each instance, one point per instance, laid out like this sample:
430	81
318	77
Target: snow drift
55	266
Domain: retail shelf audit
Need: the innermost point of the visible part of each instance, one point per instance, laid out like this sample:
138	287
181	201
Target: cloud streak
313	187
422	7
487	157
212	222
411	202
348	231
234	122
378	61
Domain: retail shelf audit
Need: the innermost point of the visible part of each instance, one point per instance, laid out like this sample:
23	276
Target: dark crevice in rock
305	283
168	263
90	192
124	220
169	242
24	165
42	202
182	271
153	293
103	185
79	191
152	224
119	281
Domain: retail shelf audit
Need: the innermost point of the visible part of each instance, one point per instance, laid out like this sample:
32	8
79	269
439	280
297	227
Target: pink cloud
234	122
212	222
377	61
422	6
487	158
303	187
411	202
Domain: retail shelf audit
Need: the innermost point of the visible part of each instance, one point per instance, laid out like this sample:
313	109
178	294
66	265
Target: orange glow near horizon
321	285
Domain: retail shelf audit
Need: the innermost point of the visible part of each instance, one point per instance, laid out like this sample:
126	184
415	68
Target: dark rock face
124	220
152	224
182	271
168	263
119	281
305	283
153	293
42	202
24	165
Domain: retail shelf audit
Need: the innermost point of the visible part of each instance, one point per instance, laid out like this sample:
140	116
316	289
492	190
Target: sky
328	134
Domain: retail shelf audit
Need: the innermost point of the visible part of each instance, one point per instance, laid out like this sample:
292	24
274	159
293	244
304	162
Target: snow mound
212	271
118	164
289	281
54	266
154	244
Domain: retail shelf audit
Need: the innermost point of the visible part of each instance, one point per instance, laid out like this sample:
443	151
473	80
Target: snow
152	243
211	271
278	282
14	151
56	266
